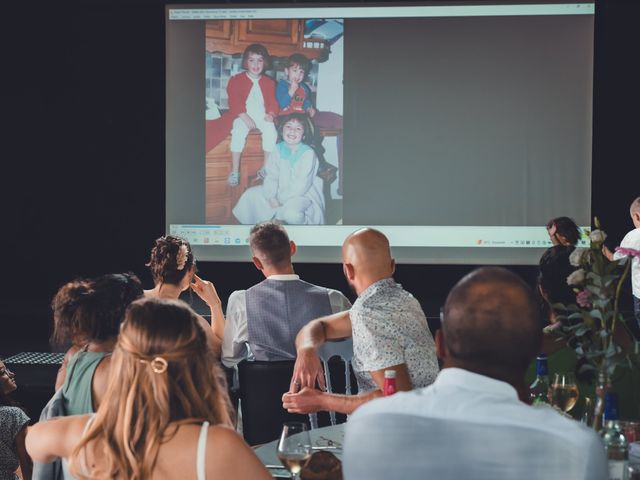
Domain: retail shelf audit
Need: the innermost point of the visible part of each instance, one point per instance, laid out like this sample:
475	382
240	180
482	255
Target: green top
76	391
625	381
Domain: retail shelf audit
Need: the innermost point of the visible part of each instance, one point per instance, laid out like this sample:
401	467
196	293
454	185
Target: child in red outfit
252	104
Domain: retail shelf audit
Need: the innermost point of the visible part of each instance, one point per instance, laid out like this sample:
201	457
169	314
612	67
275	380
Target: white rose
597	236
576	256
576	278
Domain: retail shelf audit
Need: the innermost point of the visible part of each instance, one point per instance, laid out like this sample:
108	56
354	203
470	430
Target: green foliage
589	325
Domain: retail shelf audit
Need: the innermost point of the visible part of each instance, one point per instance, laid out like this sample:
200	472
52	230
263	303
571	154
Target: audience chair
344	350
262	385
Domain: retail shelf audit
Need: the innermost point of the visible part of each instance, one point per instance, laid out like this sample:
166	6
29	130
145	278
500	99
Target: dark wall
82	189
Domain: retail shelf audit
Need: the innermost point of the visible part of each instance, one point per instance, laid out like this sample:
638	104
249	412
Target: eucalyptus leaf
581	331
595	278
595	313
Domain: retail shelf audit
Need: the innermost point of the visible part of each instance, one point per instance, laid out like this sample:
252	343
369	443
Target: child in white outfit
292	191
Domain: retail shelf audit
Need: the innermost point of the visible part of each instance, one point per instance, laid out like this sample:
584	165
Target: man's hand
607	253
308	400
268	118
248	121
307	371
206	291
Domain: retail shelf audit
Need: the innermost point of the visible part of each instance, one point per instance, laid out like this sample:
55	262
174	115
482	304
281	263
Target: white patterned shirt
389	328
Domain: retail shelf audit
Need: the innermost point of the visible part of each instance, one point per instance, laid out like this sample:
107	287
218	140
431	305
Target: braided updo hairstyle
171	259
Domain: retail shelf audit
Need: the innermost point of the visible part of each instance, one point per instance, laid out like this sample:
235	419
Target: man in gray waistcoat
263	321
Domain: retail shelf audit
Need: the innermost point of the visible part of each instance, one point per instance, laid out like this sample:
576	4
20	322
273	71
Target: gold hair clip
158	364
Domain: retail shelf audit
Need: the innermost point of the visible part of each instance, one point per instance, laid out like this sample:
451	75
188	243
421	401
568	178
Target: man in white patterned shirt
388	327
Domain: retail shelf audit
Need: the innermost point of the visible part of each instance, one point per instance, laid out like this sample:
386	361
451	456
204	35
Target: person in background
64	305
630	246
165	413
387	325
563	231
553	270
89	314
268	316
471	422
173	268
13	429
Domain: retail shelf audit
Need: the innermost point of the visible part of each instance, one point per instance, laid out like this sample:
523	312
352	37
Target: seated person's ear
293	247
441	348
256	261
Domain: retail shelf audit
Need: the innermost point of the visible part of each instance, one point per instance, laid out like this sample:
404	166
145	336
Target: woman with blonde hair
165	413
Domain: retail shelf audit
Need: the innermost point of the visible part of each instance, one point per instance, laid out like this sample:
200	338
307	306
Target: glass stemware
564	391
294	447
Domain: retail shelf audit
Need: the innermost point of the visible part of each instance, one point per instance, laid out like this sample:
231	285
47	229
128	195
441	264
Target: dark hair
164	260
491	322
6	400
258	49
302	119
300	60
554	269
271	241
92	310
566	227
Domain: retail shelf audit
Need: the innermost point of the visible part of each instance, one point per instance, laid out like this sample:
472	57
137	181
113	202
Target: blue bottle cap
542	368
611	406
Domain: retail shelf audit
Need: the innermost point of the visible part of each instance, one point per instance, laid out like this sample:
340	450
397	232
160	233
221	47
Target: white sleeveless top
200	454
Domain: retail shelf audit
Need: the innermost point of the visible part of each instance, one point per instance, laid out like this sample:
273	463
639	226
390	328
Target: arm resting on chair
309	400
308	369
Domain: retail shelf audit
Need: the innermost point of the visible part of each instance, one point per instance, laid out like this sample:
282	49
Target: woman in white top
165	414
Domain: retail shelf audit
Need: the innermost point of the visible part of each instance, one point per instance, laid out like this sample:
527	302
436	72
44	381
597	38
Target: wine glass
294	447
564	391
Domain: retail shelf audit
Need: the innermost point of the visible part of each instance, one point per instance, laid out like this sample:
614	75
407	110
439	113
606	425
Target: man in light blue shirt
472	422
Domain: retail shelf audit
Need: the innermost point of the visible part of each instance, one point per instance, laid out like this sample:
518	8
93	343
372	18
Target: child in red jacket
252	104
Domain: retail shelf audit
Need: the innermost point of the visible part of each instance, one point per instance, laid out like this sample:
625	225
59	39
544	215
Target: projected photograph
273	121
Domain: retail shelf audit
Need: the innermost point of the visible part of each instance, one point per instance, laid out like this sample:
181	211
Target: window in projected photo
450	128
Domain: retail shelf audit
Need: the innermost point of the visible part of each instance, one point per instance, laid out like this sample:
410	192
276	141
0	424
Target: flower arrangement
589	325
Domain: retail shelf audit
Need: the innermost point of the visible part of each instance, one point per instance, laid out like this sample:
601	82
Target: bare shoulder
228	456
56	437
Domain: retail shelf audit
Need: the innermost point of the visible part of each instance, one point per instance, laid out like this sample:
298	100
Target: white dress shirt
632	240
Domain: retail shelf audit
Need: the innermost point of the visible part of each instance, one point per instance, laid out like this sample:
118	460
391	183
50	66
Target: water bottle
539	389
614	440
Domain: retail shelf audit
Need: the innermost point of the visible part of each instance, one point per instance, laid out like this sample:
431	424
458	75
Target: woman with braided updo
166	411
173	268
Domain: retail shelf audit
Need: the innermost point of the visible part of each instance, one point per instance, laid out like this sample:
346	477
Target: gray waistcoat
277	310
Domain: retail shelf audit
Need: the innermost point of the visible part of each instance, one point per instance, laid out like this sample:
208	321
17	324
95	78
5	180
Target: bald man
388	327
470	423
631	242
